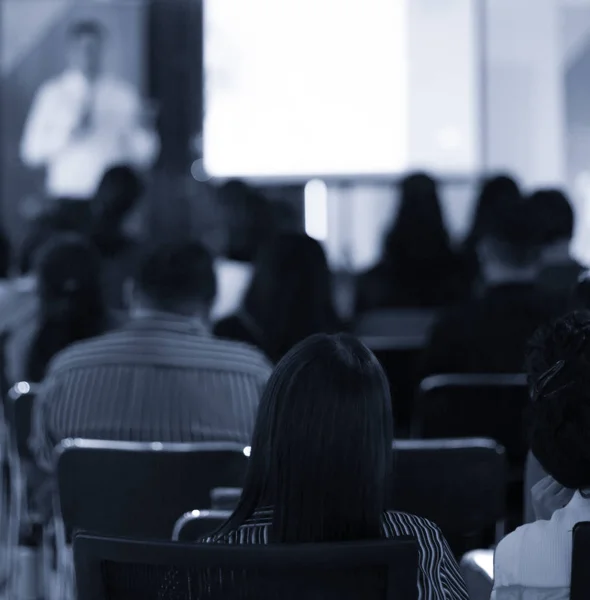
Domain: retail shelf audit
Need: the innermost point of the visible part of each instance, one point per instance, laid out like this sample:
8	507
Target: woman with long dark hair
289	298
71	306
418	268
321	462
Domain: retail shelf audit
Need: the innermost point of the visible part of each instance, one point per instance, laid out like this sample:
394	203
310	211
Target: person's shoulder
84	353
241	353
401	523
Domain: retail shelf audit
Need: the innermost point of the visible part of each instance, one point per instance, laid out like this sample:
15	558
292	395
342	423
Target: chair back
489	406
580	581
20	410
460	486
115	569
410	326
197	524
130	489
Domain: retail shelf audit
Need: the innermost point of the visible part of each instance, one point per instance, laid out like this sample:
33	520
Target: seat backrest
20	410
197	524
490	406
458	484
114	569
412	325
130	489
580	581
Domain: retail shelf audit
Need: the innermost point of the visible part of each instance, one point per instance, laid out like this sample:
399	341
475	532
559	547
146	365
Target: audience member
162	377
321	464
71	307
117	197
289	298
57	303
535	560
555	218
418	267
496	193
488	333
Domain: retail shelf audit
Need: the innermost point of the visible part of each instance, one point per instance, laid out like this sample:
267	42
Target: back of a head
497	193
419	218
554	216
117	195
509	237
72	307
322	447
558	366
178	278
290	296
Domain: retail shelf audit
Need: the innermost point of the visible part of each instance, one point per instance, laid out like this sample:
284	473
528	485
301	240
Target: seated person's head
117	195
558	366
322	446
177	279
507	249
495	192
554	217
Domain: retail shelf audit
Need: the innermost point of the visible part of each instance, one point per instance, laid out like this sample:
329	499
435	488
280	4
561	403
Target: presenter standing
85	121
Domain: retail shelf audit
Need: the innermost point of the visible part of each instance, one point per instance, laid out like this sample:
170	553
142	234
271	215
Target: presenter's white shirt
76	163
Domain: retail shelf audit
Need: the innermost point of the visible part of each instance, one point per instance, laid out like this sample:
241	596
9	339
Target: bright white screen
305	88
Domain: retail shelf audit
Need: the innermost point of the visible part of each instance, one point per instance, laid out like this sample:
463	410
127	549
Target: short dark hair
88	27
553	214
558	368
176	275
510	232
322	446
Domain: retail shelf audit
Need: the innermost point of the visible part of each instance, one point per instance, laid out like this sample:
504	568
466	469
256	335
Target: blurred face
85	55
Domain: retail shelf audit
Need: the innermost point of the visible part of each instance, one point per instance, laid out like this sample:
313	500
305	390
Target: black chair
580	582
398	338
490	406
115	569
130	489
458	484
197	524
225	499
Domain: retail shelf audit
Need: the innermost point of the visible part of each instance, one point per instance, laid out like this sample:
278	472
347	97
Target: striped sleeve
439	577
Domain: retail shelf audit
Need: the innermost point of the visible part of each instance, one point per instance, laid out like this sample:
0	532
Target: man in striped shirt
162	377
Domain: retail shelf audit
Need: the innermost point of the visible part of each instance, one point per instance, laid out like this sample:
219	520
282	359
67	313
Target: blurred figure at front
555	218
418	268
116	199
84	121
488	333
289	298
496	192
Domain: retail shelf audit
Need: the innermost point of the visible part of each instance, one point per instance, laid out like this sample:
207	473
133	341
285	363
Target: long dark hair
418	240
71	304
290	296
322	446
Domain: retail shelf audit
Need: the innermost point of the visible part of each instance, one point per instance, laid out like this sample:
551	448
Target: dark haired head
322	446
419	218
509	239
177	278
117	196
554	216
558	367
69	286
290	296
496	193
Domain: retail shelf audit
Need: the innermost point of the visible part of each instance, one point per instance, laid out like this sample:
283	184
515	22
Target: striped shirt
159	378
439	577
